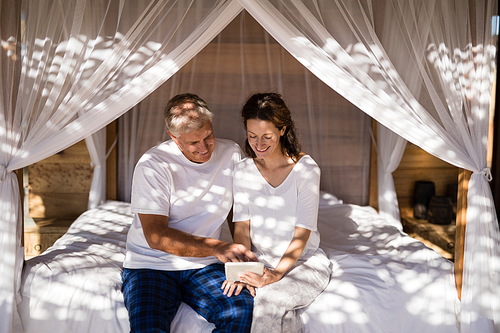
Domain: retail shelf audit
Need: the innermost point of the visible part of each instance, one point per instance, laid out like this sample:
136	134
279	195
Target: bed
81	64
383	280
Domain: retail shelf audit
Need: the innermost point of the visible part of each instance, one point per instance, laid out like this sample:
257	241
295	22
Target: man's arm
161	237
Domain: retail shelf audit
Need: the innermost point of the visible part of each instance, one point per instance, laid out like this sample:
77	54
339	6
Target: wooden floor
441	238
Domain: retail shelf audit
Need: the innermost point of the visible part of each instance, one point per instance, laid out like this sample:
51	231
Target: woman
276	201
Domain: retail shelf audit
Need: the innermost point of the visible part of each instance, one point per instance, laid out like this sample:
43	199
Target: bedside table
40	237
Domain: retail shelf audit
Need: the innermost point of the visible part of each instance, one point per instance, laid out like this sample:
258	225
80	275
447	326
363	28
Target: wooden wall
58	192
59	185
415	165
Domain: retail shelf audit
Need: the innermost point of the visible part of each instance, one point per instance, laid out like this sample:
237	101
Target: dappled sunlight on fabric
480	296
12	253
165	149
411	281
270	223
273	202
389	196
77	281
479	199
374	263
200	197
385	276
343	288
216	188
5	147
212	208
125	65
396	270
341	298
382	96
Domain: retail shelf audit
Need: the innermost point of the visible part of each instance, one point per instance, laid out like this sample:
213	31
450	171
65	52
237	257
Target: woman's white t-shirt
274	212
196	197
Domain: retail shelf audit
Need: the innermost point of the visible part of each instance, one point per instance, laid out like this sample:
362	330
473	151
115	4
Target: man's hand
231	252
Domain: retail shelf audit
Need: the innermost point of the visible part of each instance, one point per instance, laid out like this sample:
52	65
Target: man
181	195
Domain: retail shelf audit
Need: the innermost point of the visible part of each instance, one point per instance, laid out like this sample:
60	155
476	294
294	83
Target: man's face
197	146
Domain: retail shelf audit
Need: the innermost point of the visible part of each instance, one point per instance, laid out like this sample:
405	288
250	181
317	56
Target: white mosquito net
422	69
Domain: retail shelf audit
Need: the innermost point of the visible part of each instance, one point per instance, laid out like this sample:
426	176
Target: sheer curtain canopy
241	60
427	80
338	43
422	69
82	64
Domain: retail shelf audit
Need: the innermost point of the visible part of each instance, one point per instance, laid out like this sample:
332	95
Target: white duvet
383	280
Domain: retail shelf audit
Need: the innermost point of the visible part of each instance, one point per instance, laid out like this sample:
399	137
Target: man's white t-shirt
196	197
274	212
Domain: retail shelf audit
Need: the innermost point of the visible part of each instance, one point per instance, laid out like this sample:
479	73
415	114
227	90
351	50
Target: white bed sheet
383	280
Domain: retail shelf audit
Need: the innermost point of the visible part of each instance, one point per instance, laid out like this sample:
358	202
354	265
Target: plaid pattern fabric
152	298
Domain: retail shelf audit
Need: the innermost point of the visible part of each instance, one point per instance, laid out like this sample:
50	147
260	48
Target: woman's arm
241	236
242	233
294	250
289	258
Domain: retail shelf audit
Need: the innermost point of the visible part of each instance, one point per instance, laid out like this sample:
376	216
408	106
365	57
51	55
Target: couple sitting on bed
183	192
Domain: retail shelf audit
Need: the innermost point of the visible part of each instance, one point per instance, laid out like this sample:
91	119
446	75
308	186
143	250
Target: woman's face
264	137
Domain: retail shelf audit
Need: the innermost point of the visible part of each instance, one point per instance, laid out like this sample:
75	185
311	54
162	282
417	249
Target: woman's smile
264	137
262	150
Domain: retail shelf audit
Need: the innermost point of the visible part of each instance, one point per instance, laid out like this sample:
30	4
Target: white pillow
328	199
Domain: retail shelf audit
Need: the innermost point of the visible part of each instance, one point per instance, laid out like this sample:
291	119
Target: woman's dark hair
271	107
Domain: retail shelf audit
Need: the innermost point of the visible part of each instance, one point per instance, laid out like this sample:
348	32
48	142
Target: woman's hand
289	258
252	279
234	286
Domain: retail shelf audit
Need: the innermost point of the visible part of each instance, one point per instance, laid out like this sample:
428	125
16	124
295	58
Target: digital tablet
233	269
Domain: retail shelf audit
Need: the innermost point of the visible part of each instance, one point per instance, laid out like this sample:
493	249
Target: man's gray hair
181	118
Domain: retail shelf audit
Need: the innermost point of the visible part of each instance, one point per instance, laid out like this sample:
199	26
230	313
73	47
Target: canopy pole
373	185
463	186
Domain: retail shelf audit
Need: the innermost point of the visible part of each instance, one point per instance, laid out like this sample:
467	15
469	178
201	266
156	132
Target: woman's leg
277	307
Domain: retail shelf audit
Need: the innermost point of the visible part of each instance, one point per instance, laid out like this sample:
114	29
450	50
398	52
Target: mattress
383	280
